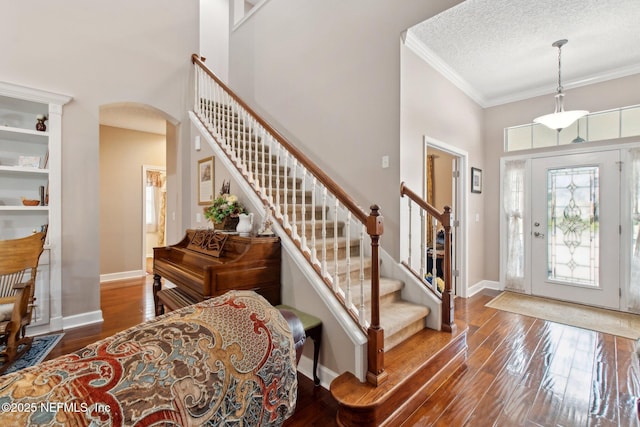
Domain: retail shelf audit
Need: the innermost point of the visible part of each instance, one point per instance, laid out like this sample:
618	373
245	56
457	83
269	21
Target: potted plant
225	210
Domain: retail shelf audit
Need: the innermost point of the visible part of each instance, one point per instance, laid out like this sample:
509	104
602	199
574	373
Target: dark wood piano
208	263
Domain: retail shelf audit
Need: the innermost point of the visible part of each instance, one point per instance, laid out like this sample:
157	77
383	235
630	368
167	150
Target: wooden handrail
372	221
310	165
444	217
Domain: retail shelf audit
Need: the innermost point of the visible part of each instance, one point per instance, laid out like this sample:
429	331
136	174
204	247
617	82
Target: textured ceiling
499	51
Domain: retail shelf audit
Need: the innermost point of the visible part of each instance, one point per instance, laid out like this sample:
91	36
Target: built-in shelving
30	168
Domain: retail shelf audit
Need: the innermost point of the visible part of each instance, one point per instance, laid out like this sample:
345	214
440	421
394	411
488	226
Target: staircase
400	319
328	232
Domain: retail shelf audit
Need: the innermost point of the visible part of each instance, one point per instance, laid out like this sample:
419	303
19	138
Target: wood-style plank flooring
520	371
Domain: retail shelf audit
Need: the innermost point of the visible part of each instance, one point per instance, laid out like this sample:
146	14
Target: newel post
376	374
448	319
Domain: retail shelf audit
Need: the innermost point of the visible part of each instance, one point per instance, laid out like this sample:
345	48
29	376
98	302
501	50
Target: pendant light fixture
560	119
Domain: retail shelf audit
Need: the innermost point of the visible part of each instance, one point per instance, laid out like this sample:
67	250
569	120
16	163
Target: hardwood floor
520	371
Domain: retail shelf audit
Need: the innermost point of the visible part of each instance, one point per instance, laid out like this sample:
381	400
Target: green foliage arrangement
225	205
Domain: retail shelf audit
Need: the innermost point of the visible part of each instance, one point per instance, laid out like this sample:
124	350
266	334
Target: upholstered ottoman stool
313	329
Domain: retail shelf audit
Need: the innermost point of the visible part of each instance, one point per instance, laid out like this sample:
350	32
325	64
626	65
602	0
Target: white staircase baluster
303	204
197	88
362	311
347	235
285	183
278	201
314	251
336	284
294	200
263	187
272	200
410	233
434	254
423	249
324	231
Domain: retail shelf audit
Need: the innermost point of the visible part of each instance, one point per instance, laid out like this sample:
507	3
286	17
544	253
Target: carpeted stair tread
388	288
398	314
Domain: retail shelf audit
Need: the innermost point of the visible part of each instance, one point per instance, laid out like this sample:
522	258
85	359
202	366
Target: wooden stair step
415	368
354	248
389	290
318	228
400	320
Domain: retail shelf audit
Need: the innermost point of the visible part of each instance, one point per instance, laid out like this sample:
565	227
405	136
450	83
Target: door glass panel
573	243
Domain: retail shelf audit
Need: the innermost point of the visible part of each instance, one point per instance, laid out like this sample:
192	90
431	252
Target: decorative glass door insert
573	245
575	220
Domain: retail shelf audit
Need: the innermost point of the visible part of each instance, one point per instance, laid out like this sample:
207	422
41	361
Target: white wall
327	75
214	36
99	53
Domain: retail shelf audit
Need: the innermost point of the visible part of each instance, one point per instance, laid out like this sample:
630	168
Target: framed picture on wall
205	180
476	180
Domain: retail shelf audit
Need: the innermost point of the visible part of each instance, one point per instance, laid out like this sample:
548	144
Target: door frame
460	285
625	217
145	169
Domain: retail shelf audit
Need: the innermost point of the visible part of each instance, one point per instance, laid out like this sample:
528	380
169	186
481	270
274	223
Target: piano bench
174	298
313	329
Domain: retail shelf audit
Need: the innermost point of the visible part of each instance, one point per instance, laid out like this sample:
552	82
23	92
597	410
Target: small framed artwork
205	181
476	180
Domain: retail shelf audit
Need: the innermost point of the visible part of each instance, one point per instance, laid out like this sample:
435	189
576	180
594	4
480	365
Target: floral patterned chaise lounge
226	361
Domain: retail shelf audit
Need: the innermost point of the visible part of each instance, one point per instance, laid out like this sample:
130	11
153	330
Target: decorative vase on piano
228	224
245	224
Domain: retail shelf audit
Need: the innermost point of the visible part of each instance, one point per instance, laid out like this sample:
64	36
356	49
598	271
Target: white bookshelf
30	160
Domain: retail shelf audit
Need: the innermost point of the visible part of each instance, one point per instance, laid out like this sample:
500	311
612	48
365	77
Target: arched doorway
134	139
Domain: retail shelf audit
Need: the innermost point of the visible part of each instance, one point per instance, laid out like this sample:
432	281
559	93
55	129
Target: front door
575	227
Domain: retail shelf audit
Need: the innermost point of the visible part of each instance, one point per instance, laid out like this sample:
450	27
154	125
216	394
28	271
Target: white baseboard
134	274
481	285
82	319
326	375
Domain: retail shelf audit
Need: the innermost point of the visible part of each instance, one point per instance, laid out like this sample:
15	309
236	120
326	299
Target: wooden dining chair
18	266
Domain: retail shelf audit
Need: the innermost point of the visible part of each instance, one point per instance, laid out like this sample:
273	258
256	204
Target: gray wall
327	74
433	107
99	53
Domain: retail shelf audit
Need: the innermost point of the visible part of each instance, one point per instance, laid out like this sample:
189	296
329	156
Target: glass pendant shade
561	120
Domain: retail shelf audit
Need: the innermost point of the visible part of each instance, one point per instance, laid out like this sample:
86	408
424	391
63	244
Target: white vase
245	224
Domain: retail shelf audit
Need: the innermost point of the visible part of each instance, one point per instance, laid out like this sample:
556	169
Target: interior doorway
154	212
444	180
131	136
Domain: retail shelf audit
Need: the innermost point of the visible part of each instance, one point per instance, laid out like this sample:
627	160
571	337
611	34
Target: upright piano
208	263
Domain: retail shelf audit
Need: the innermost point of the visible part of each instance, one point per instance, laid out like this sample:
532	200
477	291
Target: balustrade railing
318	215
437	277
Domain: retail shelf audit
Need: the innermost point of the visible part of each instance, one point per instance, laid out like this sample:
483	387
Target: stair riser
318	230
239	139
272	168
404	398
391	341
307	210
384	299
354	252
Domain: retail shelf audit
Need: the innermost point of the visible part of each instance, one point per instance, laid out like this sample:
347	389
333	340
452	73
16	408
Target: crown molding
31	94
427	55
